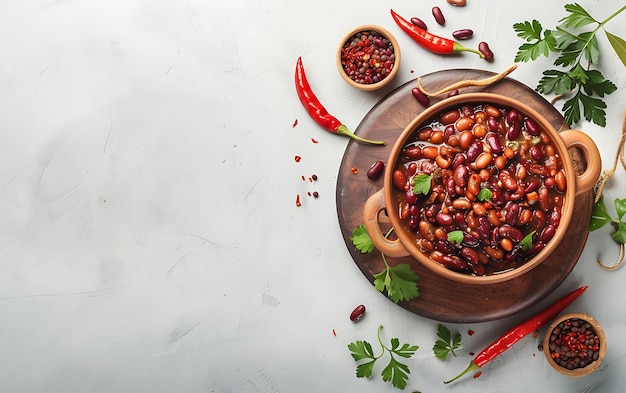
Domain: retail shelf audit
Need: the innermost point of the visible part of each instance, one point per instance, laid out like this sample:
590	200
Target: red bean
454	263
544	198
536	153
458	160
376	170
427	230
443	219
457	3
413	152
399	179
463	34
536	247
560	181
484	227
421	97
555	216
531	127
474	150
547	233
470	255
494	142
510	232
419	23
511	214
461	175
357	313
514	130
424	133
483	47
444	247
439	18
450	117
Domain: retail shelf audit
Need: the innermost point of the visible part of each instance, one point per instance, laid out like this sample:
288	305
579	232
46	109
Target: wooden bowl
375	83
590	367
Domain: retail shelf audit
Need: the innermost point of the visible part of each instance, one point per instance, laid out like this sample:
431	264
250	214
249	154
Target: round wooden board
442	299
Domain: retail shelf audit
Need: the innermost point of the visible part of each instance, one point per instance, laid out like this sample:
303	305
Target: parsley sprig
572	46
600	217
395	371
446	344
398	281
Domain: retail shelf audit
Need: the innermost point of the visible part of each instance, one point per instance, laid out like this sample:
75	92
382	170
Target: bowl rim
480	98
591	367
396	64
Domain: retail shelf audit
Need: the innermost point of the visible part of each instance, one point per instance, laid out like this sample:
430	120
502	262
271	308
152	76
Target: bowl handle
373	206
586	180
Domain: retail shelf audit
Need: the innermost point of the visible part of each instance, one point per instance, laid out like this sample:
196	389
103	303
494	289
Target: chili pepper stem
460	48
472	367
343	130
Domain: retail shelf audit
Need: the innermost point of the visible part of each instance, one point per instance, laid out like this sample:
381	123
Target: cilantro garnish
361	239
395	371
600	217
485	194
421	184
446	343
398	281
572	45
455	237
527	242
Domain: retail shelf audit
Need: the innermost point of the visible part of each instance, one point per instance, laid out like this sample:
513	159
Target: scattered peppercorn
315	194
314	177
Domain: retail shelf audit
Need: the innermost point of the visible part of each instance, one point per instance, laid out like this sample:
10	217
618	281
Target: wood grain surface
442	299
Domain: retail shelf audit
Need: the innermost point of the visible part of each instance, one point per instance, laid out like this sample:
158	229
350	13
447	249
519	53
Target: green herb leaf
395	372
554	81
421	184
455	237
578	16
446	343
527	242
361	239
536	45
398	281
619	46
620	234
599	216
620	207
485	194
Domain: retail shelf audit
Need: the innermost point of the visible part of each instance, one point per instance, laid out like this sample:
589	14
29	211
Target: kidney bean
547	233
410	196
450	117
484	227
438	15
458	3
492	216
506	244
538	221
411	169
427	230
413	222
441	234
512	213
536	247
464	123
549	182
465	139
463	34
532	186
538	169
494	142
493	124
430	152
470	255
474	150
479	209
511	255
419	23
461	204
450	187
555	216
426	245
404	210
495	253
478	269
500	162
357	313
375	170
512	116
454	263
443	219
424	133
510	232
470	240
479	130
510	184
414	210
524	217
483	160
444	247
536	153
473	184
560	181
531	126
420	97
442	162
483	47
459	159
492	111
514	130
461	175
399	179
544	198
413	152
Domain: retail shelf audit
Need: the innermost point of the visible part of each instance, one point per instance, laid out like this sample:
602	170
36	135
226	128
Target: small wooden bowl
390	75
589	368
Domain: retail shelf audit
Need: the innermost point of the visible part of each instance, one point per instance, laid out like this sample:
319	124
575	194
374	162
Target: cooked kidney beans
493	185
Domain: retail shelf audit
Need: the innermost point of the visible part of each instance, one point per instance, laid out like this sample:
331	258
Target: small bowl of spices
575	344
368	57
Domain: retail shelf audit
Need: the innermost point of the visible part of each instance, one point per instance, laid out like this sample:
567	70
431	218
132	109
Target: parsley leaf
455	237
600	217
421	184
527	242
398	281
571	48
395	372
361	239
446	343
485	194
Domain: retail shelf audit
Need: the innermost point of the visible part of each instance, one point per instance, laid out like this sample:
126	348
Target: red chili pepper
433	43
317	111
517	333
